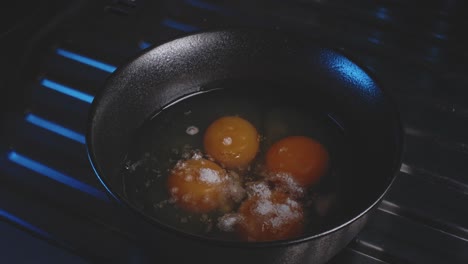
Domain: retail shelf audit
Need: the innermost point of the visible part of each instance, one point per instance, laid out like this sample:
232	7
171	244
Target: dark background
55	55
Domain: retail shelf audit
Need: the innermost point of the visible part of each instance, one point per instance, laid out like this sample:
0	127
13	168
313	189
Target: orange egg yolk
197	185
275	217
305	159
232	141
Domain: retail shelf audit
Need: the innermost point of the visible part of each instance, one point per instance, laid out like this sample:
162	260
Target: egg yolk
232	141
305	159
275	217
197	185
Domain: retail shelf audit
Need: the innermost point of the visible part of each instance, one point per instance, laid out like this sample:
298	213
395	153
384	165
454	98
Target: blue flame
55	128
144	45
179	26
206	6
382	13
55	175
10	217
85	60
67	90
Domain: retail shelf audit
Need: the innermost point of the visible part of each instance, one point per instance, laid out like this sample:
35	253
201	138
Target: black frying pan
302	70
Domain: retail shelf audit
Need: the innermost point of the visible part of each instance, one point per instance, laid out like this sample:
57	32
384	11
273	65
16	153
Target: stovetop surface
49	193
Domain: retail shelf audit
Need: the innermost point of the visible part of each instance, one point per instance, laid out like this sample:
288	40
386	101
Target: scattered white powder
288	184
235	191
209	176
157	173
276	214
260	189
174	190
186	151
234	175
197	155
134	166
233	187
228	222
186	155
292	203
227	141
188	178
283	149
264	207
180	165
161	204
192	130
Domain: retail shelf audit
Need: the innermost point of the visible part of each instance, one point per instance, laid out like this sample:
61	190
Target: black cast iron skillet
303	70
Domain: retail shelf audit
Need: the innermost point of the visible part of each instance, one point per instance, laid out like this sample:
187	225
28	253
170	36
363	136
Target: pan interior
176	133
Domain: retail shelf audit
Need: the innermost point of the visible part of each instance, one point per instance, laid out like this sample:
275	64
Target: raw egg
197	185
271	217
232	141
305	159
